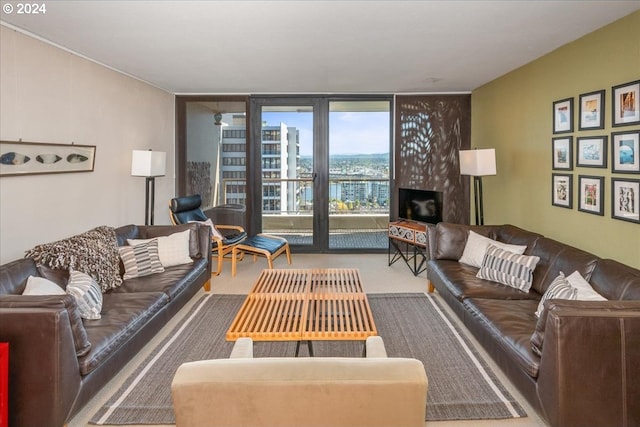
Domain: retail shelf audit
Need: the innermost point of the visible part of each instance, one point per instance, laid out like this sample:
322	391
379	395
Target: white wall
50	95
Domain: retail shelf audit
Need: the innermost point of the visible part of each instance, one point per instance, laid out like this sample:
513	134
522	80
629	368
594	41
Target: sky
349	132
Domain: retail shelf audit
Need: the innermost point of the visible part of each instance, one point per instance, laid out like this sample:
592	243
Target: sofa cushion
141	260
615	281
509	325
41	286
87	294
508	268
123	315
94	252
462	282
476	247
172	249
556	257
172	281
559	289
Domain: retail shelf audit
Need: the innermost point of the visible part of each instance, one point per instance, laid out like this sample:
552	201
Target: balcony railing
347	196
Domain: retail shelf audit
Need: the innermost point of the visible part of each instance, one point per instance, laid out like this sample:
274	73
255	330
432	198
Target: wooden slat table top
305	304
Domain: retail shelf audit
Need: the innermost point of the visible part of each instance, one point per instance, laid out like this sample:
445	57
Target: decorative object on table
591	151
31	158
625	105
563	116
625	152
591	109
562	190
478	163
591	194
562	153
625	199
149	164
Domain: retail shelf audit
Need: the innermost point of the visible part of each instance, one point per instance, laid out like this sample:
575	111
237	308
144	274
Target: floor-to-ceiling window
313	169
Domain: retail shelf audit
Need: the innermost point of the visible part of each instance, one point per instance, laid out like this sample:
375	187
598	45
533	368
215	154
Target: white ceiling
257	47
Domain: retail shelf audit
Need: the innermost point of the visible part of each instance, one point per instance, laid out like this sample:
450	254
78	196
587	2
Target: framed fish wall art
29	158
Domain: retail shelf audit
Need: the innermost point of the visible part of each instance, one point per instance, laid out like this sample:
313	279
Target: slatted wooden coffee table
305	305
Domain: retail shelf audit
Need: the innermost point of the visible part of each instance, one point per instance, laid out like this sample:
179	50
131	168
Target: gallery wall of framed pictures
594	148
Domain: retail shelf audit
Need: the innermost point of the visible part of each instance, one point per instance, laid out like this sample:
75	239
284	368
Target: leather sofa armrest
44	374
590	363
242	349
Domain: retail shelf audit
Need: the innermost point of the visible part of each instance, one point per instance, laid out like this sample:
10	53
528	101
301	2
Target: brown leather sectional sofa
50	379
588	373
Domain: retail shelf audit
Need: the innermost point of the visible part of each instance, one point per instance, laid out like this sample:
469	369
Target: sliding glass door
321	171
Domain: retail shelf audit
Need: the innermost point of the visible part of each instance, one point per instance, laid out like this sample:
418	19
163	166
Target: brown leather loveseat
578	364
59	361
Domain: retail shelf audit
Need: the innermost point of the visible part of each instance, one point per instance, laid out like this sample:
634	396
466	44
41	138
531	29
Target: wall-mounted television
420	205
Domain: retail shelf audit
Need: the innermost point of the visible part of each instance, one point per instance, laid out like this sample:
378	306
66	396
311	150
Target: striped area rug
461	384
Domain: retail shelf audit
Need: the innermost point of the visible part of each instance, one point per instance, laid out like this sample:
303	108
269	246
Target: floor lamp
478	163
149	164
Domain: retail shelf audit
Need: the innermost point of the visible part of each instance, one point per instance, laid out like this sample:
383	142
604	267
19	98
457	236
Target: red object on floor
4	384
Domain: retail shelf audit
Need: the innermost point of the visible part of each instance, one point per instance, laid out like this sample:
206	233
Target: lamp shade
478	162
148	163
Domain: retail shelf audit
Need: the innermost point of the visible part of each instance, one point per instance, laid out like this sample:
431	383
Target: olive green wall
514	114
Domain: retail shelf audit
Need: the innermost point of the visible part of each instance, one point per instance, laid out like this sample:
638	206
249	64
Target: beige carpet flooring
377	277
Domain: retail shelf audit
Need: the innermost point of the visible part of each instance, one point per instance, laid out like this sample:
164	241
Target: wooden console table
409	242
305	305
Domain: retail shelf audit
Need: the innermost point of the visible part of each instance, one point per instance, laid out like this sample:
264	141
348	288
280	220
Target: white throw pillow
87	293
558	289
172	249
477	245
585	291
214	231
41	286
508	268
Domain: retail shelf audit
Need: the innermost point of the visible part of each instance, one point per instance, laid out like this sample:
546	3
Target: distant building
280	161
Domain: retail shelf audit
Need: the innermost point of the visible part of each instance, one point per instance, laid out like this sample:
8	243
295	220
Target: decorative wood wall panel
430	130
199	181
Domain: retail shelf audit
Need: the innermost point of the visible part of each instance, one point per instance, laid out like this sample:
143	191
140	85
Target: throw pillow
214	231
94	252
172	249
477	245
141	260
41	286
585	291
558	289
87	294
508	268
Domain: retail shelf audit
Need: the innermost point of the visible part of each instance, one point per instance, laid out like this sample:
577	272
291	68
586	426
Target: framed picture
591	194
591	110
30	158
625	199
562	153
563	116
624	107
562	190
625	152
591	151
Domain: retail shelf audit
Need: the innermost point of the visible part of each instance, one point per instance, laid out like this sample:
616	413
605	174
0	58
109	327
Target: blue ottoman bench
261	244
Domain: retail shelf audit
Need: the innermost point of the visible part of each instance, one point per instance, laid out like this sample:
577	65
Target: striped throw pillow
87	293
508	268
558	289
141	260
